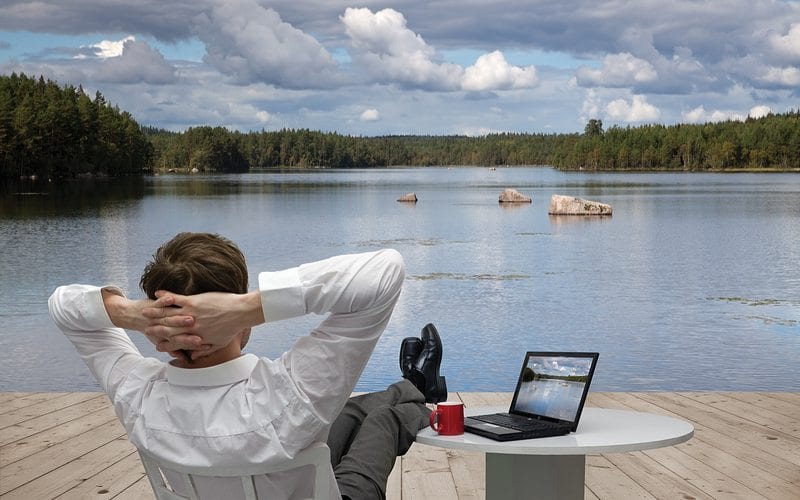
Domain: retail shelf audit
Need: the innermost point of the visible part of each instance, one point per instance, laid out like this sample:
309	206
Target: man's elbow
394	271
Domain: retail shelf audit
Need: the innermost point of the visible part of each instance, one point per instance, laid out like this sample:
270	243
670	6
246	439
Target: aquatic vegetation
459	276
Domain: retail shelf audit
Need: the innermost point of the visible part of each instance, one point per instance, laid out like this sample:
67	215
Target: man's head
192	263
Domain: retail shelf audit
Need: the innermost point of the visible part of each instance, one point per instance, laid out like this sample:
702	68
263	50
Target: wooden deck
746	445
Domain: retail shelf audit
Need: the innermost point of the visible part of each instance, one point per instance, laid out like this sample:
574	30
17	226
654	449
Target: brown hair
192	263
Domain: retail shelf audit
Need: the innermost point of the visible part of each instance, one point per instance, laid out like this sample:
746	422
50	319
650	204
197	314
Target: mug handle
434	420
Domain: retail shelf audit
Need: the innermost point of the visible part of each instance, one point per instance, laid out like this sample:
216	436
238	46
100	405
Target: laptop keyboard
516	422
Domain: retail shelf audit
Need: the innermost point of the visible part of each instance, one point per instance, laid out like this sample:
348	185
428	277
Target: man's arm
80	313
358	292
176	321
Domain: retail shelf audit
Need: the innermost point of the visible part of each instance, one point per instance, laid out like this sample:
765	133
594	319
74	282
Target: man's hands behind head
202	323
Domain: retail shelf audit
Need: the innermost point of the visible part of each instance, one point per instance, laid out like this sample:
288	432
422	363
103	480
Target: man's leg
370	433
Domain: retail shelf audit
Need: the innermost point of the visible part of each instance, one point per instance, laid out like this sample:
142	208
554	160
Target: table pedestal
554	477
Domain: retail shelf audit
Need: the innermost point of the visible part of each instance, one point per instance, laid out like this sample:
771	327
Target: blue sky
408	67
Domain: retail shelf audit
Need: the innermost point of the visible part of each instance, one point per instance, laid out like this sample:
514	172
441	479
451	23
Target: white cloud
370	115
253	44
782	77
478	131
393	53
137	62
759	111
492	72
638	110
700	115
618	70
787	45
108	48
262	116
696	115
590	107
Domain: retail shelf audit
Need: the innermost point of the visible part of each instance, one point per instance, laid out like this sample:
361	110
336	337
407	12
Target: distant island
57	132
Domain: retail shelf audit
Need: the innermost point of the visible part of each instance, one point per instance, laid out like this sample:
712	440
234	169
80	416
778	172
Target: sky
439	67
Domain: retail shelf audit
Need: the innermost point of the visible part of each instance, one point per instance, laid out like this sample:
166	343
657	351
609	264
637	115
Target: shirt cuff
281	294
96	313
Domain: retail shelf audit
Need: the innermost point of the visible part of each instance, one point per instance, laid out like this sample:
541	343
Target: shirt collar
225	373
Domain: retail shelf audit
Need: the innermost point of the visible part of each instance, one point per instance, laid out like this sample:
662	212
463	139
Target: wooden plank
786	421
15	400
768	402
39	464
75	472
789	397
47	406
732	470
6	398
109	482
426	474
698	474
607	400
744	431
476	399
140	490
653	476
605	480
22	448
761	471
394	485
588	494
469	473
52	419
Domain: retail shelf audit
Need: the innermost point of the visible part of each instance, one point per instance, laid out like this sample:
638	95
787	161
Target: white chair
164	476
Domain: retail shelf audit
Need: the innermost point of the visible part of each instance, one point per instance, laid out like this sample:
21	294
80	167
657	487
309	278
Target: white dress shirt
249	410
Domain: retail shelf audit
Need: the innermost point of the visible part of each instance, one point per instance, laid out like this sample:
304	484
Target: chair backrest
158	471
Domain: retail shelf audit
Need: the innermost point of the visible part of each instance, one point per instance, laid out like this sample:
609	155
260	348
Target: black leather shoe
410	349
425	371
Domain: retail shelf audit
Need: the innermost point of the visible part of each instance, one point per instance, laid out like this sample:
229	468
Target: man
215	406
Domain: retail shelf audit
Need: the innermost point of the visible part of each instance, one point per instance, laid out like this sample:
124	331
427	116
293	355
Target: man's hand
128	314
215	317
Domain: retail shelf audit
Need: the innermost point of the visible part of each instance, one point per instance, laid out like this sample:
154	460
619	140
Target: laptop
548	401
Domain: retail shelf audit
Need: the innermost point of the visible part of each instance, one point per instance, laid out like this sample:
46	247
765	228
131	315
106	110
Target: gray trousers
370	433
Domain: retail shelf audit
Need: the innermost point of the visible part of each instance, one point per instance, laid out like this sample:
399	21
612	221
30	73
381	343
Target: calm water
693	284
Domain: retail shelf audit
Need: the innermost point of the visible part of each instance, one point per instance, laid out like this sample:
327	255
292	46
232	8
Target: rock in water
410	198
513	196
570	205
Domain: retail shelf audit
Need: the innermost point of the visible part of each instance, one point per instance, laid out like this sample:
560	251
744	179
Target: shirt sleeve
79	312
358	293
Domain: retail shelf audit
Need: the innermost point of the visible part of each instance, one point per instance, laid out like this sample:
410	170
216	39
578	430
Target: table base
554	477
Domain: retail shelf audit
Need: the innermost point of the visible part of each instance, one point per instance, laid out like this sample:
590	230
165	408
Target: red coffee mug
448	418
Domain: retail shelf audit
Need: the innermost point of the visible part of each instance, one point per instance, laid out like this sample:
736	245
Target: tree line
770	142
61	132
56	132
218	149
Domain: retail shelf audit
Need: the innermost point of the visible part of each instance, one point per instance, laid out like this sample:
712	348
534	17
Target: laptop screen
554	385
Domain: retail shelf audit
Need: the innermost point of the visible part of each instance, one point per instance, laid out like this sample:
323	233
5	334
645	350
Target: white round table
555	467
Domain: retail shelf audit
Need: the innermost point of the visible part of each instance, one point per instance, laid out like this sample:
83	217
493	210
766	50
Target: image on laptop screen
553	386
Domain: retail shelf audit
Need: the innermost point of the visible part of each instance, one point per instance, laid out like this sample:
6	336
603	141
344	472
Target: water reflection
41	198
562	220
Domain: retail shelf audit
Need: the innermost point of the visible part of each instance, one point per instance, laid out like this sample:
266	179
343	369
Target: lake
692	284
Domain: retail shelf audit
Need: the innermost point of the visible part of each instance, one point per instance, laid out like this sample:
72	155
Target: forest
60	132
768	143
57	132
